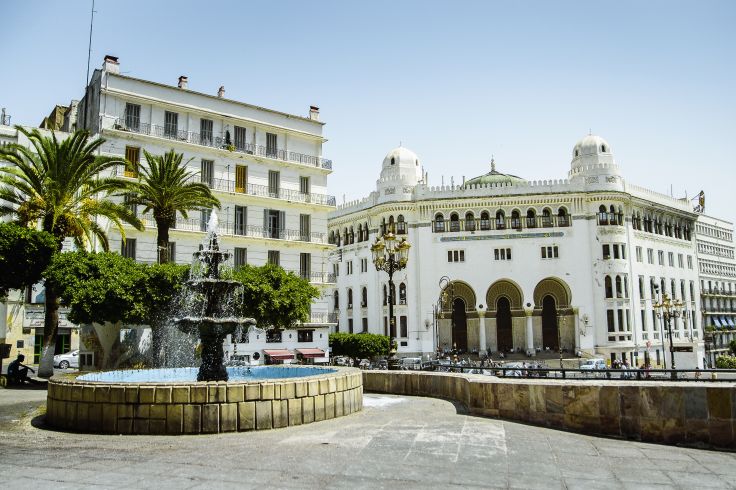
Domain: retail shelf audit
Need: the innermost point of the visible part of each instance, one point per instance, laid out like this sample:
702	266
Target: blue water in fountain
189	374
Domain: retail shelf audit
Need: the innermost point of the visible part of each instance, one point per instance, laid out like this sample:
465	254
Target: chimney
111	64
314	112
183	80
221	91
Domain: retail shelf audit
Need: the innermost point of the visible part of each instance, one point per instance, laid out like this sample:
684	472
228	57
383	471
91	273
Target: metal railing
499	224
219	142
316	277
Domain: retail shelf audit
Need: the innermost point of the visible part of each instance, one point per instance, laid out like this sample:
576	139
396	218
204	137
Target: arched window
563	219
338	240
393	160
673	289
332	237
609	287
363	297
469	221
350	298
402	294
400	225
500	220
439	223
485	220
360	232
383	226
385	295
531	218
454	222
603	148
391	225
546	218
602	215
336	301
392	287
619	288
515	220
626	286
346	236
365	232
612	216
352	235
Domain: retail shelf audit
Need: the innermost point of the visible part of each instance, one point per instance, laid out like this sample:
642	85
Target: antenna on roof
89	51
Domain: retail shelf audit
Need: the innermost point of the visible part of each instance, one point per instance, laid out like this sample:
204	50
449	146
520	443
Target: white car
591	364
70	359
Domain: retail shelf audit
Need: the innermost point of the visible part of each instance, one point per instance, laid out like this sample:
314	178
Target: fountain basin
116	402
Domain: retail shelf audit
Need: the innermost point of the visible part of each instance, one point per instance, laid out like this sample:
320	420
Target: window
133	117
671	259
400	225
439	223
241	220
304	185
305	227
485	221
456	255
363	297
469	221
364	321
363	265
402	294
609	287
403	327
241	178
274	182
550	252
204	218
172	252
305	265
350	325
606	252
660	257
271	148
650	256
207	175
349	267
500	220
454	222
132	155
205	132
304	335
240	139
639	254
336	300
171	124
610	321
350	299
273	336
641	288
502	254
128	248
240	256
129	204
273	223
274	257
689	261
680	261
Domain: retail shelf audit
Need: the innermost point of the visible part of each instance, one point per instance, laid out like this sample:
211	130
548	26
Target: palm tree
166	186
58	187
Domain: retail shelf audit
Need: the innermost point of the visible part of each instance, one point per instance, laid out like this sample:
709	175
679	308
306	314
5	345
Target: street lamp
667	310
447	297
560	322
390	255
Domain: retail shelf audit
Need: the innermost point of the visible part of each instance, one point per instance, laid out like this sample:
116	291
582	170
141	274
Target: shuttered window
205	132
132	155
274	182
304	227
271	148
171	124
240	139
305	265
240	257
274	257
132	117
240	220
241	178
128	248
207	174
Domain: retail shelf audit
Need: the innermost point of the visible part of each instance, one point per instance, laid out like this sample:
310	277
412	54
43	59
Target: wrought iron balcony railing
219	142
499	224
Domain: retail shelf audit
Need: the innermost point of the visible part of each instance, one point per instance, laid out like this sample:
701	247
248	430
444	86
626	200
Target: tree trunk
50	329
162	241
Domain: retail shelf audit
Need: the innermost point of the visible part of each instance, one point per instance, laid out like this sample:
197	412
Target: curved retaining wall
198	408
669	412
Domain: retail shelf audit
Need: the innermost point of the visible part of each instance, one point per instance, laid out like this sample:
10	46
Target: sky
454	81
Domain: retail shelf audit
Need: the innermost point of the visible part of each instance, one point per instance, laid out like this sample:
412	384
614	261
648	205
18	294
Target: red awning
311	352
279	354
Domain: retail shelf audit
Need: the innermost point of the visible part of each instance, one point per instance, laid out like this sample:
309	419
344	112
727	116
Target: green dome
495	177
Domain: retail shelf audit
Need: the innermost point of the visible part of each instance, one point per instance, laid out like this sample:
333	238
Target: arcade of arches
506	322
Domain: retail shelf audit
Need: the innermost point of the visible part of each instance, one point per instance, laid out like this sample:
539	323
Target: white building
264	166
589	253
717	267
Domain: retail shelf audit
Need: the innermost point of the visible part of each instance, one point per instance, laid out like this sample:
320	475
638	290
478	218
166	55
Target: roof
495	177
311	352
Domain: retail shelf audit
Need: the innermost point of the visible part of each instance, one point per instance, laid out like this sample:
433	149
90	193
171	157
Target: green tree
273	297
359	345
732	347
726	362
166	186
24	254
59	185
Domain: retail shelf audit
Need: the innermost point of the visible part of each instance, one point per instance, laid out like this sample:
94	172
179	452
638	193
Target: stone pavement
396	441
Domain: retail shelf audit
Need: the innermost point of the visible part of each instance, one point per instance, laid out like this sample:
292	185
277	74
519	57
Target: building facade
504	264
717	268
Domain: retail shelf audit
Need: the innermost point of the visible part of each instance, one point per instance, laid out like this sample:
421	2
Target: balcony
219	142
316	277
458	225
322	317
228	228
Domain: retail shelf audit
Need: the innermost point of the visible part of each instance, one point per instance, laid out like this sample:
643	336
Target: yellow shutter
241	178
132	154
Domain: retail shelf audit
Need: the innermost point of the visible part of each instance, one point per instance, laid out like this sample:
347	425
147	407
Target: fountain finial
213	223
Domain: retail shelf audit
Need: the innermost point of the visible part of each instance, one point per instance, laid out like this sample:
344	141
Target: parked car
70	359
382	364
591	364
410	363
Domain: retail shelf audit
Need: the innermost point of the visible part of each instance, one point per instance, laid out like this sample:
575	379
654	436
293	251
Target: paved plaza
395	442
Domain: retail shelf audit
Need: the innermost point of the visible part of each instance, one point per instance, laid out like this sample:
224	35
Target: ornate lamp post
390	255
447	297
560	323
667	310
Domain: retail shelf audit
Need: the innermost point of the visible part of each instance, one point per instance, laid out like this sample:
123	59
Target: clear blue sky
454	81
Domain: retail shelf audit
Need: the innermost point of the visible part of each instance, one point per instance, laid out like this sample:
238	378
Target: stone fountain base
201	407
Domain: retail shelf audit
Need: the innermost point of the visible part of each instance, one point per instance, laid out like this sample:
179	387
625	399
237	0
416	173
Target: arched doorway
550	336
504	334
459	325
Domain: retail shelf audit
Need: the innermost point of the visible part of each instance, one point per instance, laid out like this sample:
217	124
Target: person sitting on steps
18	373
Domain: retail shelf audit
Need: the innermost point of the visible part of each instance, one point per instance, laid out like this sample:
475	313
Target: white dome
591	150
401	157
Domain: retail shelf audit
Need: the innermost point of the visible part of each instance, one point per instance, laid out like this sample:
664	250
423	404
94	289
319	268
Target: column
528	311
482	332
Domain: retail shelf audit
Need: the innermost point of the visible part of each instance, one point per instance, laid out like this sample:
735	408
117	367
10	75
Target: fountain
211	306
211	398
